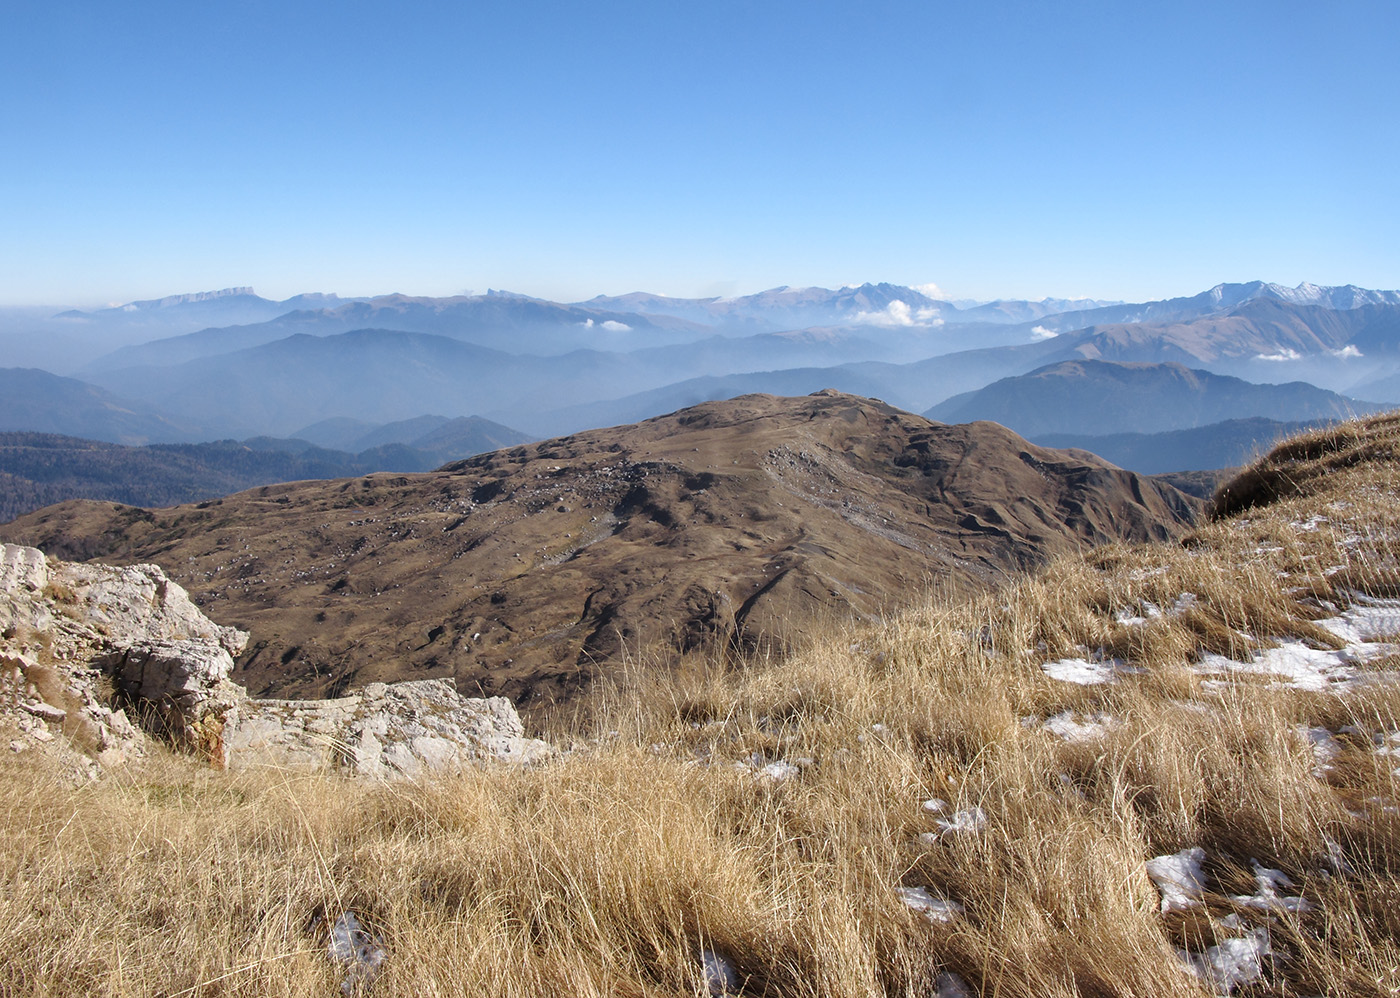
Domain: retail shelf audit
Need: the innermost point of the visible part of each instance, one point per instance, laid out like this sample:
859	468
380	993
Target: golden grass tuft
657	837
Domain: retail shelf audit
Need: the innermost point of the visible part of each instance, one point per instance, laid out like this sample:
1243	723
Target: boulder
182	688
385	731
138	603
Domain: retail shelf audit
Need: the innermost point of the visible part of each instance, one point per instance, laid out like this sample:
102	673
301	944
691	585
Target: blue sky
567	149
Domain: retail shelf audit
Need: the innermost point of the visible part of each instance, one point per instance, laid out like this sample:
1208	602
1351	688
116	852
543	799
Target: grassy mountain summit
1166	768
532	571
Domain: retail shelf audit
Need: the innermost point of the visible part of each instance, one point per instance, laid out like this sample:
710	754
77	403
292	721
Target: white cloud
931	290
587	323
1286	354
1346	353
613	326
897	313
1041	333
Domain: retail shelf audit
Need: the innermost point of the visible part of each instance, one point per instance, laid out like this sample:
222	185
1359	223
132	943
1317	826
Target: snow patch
974	819
1267	883
950	985
779	771
1325	747
1087	673
720	976
1179	877
1065	726
932	908
1367	619
1151	611
1231	963
1298	665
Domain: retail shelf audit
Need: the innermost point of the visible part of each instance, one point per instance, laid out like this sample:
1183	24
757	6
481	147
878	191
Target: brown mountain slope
527	571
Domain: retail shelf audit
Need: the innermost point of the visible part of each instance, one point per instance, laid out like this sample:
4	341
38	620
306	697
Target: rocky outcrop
386	730
85	649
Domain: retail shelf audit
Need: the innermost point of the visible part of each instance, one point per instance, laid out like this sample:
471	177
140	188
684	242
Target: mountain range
545	368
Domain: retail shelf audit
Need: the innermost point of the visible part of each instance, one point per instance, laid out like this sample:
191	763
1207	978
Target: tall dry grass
657	836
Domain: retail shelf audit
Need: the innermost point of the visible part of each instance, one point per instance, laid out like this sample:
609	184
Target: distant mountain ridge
1087	396
1231	443
239	305
38	469
548	367
1223	297
35	400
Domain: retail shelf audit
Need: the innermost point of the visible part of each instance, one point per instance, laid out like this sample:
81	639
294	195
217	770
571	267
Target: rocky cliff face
96	659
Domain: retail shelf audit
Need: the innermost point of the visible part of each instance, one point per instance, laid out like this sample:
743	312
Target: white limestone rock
391	730
76	640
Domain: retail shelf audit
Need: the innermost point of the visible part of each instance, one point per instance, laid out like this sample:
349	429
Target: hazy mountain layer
551	368
35	400
507	322
531	570
1229	444
38	469
1089	396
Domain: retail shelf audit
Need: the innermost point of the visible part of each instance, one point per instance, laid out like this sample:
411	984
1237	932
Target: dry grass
610	870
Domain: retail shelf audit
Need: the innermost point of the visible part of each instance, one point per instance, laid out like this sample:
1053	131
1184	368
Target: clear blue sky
565	149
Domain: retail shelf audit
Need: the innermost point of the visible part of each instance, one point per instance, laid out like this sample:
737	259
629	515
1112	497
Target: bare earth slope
528	571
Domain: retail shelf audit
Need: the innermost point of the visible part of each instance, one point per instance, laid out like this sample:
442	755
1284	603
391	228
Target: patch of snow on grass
1316	669
1366	620
950	985
720	976
1179	877
1150	611
1325	747
352	945
1231	963
1087	673
779	771
1065	726
1267	882
932	908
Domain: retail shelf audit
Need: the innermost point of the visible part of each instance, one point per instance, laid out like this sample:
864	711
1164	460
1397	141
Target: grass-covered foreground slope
1154	770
